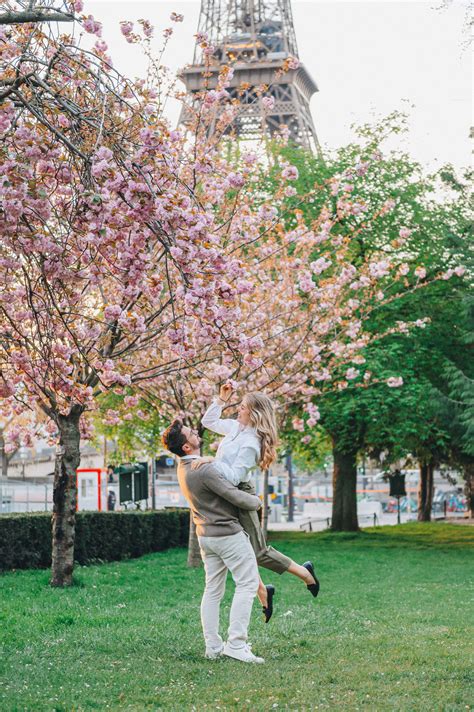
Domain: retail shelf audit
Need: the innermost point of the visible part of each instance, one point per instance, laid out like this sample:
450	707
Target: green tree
429	224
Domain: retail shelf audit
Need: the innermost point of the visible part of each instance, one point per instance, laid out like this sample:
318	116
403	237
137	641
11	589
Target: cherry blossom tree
107	243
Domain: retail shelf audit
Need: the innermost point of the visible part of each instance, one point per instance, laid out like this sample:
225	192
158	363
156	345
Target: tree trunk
344	481
194	552
291	494
65	497
425	491
3	456
265	504
469	487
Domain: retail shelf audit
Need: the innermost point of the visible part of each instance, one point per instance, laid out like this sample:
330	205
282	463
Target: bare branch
19	18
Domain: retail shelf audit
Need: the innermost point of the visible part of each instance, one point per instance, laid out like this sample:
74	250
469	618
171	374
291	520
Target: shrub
25	539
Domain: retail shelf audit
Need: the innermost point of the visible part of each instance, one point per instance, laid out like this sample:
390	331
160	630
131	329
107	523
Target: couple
224	509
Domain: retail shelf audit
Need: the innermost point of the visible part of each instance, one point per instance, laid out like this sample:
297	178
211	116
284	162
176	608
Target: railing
309	524
312	521
25	497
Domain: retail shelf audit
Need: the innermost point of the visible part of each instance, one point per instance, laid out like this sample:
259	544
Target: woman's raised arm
212	420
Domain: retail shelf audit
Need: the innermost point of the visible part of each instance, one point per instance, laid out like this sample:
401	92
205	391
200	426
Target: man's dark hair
173	438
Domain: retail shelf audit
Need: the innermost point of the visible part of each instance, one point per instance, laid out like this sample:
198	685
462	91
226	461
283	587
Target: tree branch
18	18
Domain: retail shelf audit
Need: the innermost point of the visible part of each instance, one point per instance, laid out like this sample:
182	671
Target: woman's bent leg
267	556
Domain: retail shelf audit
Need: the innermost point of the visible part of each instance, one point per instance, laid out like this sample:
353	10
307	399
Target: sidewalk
387	519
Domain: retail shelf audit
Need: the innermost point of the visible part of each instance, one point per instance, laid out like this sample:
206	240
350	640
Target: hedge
25	539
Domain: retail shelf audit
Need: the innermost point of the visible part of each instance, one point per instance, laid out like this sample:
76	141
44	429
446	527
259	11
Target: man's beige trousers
220	554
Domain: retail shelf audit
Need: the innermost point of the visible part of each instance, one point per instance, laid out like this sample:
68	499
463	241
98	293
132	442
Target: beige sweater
213	500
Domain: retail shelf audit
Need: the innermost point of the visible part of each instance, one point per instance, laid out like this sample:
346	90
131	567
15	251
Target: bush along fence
25	539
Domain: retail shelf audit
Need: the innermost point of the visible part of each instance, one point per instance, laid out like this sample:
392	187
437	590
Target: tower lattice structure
257	38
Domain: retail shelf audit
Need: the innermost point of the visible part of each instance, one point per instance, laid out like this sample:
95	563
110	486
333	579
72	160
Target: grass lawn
389	631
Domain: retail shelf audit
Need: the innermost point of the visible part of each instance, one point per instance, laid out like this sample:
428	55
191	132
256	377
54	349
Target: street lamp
23	455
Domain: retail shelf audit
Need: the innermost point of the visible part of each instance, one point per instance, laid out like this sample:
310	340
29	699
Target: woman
249	441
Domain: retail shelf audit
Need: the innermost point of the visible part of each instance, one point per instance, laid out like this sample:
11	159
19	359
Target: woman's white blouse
239	451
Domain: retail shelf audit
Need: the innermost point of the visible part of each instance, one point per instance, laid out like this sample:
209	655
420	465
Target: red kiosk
85	499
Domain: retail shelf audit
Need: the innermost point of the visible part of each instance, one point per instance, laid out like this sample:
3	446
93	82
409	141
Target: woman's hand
225	392
198	462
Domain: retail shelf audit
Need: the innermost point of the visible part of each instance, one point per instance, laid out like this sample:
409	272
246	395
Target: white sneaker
213	654
244	654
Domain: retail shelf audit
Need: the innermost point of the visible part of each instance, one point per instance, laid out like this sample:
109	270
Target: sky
368	59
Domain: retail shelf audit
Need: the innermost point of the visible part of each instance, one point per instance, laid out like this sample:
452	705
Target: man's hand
199	461
225	392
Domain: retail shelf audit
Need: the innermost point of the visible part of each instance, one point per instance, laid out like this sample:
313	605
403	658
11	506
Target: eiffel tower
257	39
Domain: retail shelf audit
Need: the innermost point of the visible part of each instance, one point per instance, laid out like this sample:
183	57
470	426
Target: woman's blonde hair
263	419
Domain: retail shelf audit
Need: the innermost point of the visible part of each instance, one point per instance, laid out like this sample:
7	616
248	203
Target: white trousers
221	554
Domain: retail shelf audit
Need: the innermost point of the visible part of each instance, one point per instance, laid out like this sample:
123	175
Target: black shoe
313	587
268	609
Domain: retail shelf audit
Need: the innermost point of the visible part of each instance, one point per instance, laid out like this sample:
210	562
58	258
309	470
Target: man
214	504
111	500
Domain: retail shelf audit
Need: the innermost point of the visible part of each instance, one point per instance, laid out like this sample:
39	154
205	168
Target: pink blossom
112	417
379	269
394	381
236	180
99	168
252	361
130	401
305	282
7	110
6	389
126	28
91	26
268	102
293	62
420	272
147	28
175	17
101	46
405	232
361	168
421	323
320	265
352	373
267	212
298	424
103	153
63	121
112	312
387	206
290	173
